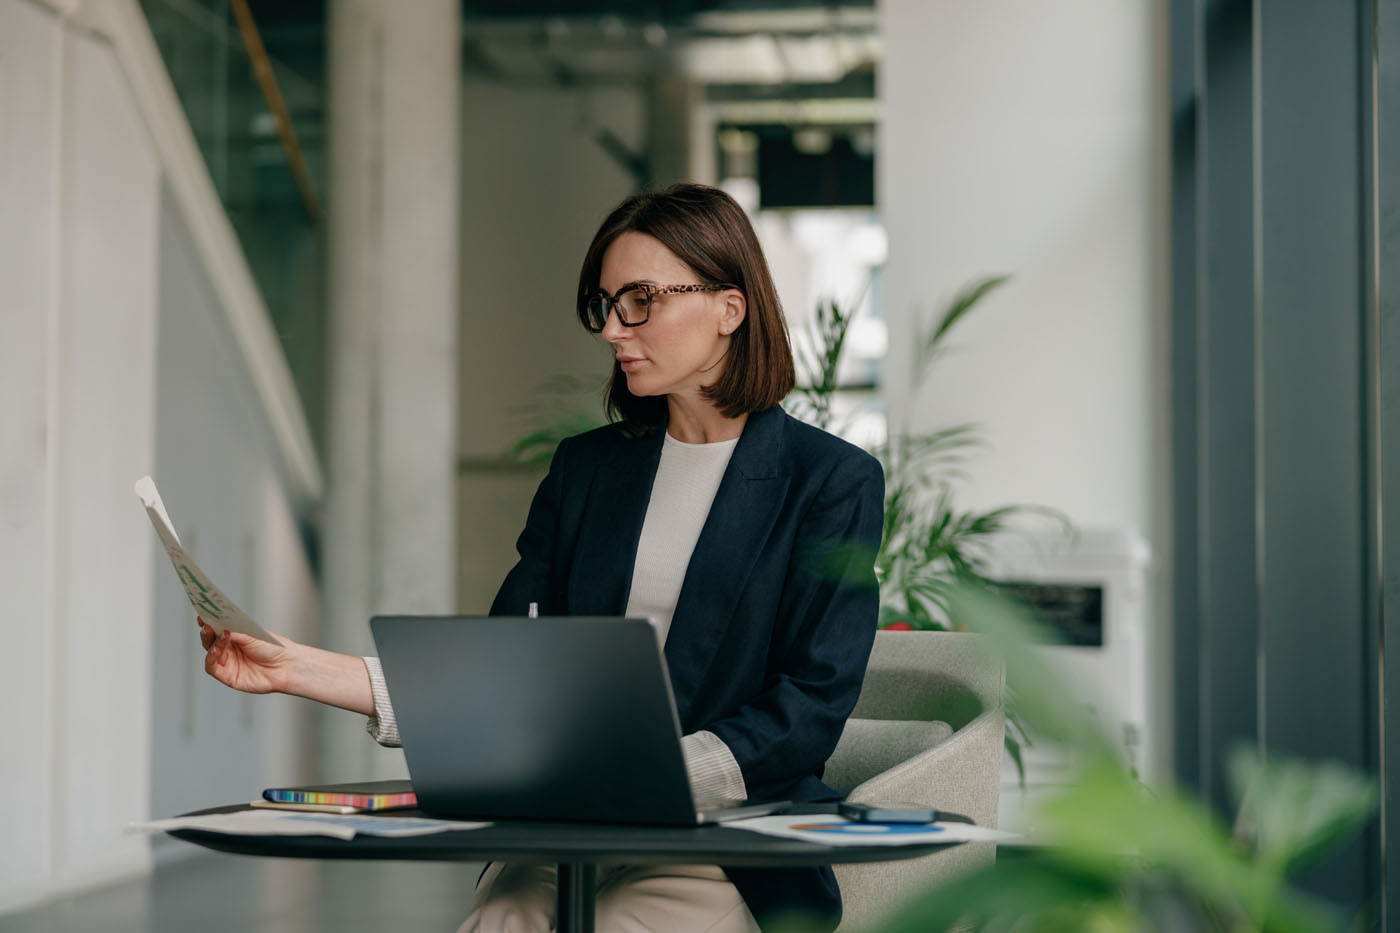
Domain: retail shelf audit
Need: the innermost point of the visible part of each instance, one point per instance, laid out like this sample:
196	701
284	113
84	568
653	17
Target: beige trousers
631	899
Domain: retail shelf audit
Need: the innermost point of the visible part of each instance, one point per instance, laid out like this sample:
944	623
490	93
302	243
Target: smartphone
875	813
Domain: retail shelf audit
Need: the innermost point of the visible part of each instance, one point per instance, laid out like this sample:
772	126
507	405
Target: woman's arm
254	666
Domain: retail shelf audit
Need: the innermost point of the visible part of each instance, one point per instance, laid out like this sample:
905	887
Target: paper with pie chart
838	831
216	609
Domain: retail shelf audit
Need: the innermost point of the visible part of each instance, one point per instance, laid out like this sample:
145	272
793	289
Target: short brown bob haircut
707	230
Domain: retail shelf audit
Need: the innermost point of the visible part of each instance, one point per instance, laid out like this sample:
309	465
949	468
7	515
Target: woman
745	535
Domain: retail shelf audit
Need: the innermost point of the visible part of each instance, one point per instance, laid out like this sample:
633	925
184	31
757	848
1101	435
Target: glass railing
213	74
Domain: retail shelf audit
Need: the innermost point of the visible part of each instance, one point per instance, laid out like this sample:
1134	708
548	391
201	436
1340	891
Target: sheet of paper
289	823
207	599
838	831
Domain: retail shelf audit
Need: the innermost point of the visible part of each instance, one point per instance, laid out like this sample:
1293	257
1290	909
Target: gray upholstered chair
896	749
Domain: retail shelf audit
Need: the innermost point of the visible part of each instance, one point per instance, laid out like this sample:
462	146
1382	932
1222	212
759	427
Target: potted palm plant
929	543
930	547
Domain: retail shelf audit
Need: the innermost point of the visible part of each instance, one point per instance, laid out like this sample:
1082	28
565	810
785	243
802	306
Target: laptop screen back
551	719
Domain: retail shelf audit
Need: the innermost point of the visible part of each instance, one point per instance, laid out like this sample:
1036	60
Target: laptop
541	719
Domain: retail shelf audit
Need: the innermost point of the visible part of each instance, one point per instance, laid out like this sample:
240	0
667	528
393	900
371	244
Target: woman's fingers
237	660
215	646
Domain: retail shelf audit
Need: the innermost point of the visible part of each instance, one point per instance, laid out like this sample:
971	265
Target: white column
672	102
393	233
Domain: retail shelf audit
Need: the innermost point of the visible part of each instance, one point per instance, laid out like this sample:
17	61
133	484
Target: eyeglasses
632	303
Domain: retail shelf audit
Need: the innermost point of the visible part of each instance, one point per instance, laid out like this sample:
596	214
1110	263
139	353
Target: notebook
543	719
362	797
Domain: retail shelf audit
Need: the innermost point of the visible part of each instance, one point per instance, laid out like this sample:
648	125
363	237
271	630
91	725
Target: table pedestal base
577	893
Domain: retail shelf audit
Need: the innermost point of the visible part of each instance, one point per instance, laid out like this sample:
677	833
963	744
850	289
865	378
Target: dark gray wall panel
1386	378
1313	541
1186	641
1287	409
1226	404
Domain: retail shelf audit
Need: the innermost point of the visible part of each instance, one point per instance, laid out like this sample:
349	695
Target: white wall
27	308
78	240
89	340
1030	139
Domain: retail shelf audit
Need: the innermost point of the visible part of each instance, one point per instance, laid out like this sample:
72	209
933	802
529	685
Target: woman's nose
613	328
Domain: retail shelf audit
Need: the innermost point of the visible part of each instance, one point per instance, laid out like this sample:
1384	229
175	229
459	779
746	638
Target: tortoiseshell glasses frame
632	303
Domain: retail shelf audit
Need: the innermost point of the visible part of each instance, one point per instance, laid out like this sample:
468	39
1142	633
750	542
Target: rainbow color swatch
341	798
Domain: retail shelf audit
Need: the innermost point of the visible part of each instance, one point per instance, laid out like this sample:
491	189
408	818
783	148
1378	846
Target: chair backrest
920	689
947	676
913	680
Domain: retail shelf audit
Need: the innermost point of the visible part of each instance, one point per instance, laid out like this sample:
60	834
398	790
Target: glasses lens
633	305
597	312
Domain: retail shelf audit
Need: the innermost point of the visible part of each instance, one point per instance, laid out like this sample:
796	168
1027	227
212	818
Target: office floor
214	893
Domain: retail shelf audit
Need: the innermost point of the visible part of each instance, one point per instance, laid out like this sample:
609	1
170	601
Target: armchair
895	750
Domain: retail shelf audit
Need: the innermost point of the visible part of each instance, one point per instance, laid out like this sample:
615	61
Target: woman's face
681	347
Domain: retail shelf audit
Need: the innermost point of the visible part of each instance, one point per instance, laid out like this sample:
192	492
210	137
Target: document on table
830	830
290	823
208	600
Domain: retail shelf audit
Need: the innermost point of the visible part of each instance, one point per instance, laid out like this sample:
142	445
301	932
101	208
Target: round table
578	849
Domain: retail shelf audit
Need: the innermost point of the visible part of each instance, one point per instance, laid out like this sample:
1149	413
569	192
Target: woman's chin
642	387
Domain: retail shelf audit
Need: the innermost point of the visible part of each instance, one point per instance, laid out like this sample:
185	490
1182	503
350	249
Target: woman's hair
707	230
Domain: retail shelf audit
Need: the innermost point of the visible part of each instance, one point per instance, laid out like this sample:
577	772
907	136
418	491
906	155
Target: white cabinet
1090	587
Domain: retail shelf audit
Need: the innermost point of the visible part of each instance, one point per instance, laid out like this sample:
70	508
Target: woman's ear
735	308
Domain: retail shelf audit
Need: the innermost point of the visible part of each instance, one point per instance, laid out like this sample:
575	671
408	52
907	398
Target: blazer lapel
612	522
748	501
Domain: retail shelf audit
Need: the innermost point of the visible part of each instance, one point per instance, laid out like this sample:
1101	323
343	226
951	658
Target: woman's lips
630	363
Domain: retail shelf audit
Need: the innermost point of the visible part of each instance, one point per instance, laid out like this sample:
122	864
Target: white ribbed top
686	482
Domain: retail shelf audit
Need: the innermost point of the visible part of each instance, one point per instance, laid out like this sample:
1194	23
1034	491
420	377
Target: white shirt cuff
382	726
714	774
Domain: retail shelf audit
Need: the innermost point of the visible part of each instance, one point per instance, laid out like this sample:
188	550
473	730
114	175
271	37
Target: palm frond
965	300
566	405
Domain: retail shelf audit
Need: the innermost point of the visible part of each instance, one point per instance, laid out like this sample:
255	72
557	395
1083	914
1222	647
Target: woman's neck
700	422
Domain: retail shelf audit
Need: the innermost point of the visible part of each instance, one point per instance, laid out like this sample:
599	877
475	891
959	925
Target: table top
565	843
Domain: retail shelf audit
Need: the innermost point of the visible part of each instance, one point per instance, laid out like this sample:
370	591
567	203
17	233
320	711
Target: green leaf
1107	820
565	406
957	309
1049	708
817	355
1295	811
1041	895
1012	743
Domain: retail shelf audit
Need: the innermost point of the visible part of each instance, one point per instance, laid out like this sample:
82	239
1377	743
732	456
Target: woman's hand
245	663
253	666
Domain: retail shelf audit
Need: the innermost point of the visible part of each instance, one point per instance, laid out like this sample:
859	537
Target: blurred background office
311	264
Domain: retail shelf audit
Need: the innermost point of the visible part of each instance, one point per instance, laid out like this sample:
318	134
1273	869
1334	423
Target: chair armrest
961	775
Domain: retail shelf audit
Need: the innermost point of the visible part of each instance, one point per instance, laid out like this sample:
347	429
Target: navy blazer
776	615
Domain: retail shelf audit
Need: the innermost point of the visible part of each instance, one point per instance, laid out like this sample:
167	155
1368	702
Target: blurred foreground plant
1117	857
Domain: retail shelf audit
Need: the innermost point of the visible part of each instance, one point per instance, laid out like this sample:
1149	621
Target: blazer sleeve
822	638
533	578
